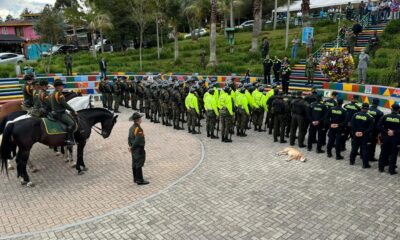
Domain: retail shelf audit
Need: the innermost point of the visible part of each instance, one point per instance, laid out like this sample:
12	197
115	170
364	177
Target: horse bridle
97	130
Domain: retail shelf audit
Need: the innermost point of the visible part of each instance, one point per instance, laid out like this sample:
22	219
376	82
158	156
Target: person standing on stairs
363	60
295	43
311	64
277	68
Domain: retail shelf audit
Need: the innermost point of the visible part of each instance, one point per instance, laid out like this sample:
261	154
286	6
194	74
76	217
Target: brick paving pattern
62	197
244	191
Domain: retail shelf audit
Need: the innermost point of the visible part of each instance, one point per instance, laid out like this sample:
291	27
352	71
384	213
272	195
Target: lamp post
287	25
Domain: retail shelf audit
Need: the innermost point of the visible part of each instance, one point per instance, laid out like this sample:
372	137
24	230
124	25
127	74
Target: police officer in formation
244	104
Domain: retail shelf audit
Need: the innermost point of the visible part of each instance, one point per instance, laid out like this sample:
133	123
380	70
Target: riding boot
70	136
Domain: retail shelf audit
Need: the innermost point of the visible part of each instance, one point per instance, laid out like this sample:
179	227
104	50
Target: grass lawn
189	61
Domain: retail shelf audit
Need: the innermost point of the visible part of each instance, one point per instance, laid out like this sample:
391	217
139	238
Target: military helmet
299	93
242	90
29	77
44	82
340	101
193	89
58	82
365	106
227	88
261	88
211	90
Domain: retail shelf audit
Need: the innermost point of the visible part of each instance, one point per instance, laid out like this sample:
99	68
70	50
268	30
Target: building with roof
22	28
317	4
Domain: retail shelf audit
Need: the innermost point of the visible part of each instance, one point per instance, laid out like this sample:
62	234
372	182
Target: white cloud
15	7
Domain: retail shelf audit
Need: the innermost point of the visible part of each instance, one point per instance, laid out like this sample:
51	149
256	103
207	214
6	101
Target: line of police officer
287	116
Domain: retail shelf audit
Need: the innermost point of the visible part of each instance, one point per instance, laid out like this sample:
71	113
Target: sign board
368	89
307	31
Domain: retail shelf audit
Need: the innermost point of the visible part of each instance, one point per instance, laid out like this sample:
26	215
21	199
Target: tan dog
293	154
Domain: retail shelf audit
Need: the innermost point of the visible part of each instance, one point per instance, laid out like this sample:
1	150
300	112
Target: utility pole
275	14
287	25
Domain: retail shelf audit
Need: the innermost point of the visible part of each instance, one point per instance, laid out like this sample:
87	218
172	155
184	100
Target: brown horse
10	107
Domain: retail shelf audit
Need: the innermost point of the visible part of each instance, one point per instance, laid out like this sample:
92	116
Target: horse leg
79	159
10	161
70	156
22	159
56	151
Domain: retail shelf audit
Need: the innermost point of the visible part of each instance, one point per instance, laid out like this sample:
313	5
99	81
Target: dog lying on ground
293	154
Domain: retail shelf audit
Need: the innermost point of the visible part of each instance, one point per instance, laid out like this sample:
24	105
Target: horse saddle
54	127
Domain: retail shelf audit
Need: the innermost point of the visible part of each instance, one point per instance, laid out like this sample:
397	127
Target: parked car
196	32
106	45
11	58
61	49
246	24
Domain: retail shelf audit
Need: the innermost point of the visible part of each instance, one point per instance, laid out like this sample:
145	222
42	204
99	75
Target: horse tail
7	146
3	124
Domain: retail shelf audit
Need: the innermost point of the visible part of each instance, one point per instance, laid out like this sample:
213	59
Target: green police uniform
36	104
27	92
103	93
136	142
116	95
310	69
59	107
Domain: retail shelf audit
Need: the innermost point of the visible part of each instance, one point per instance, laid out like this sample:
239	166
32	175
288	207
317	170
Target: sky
15	7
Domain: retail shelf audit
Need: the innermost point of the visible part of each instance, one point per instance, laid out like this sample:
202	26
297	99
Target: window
7	56
19	31
4	30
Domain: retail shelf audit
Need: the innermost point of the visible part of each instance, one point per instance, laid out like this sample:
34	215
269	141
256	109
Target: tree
50	27
172	12
305	10
196	11
142	15
72	12
227	9
25	12
9	18
101	22
213	34
257	11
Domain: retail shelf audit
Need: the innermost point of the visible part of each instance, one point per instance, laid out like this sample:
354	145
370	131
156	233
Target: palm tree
305	10
172	13
257	11
213	34
197	11
101	22
226	8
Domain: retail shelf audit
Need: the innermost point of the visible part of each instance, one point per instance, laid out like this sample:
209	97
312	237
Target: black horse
25	133
10	117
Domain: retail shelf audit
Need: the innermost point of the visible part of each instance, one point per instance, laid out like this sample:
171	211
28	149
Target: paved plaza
200	189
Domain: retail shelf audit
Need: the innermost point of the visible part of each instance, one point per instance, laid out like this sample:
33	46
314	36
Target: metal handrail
365	20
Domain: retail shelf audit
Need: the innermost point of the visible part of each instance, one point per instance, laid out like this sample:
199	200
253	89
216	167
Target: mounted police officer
27	91
36	100
45	106
59	107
